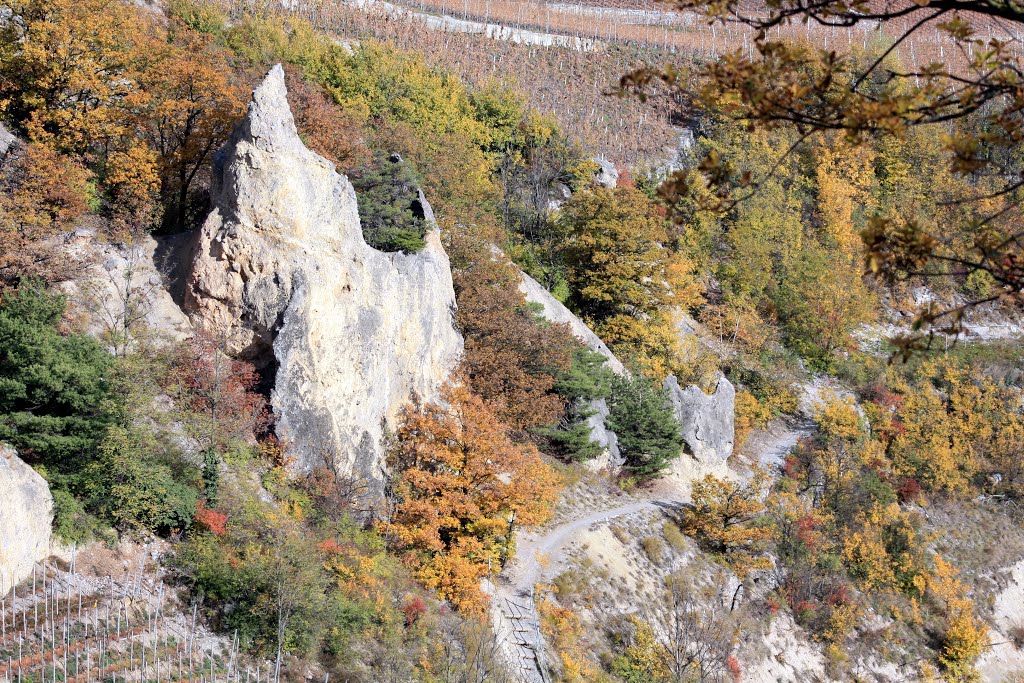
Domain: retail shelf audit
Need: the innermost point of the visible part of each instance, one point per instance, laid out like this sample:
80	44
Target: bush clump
390	211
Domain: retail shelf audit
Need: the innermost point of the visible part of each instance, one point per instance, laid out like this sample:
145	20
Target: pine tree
586	380
642	418
55	401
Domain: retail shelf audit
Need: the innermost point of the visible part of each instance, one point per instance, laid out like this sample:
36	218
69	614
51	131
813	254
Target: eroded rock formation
119	288
552	309
25	517
283	274
707	421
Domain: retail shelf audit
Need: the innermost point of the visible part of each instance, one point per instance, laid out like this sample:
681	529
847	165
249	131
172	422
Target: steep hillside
373	342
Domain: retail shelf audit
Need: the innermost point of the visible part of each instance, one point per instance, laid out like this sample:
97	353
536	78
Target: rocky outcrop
554	310
707	422
25	518
7	140
611	457
606	175
283	274
120	292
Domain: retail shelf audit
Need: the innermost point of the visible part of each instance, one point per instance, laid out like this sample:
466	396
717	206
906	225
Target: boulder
282	274
606	175
26	517
604	437
708	422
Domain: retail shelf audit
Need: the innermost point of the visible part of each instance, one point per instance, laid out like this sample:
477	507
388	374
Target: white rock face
606	175
611	457
25	518
283	273
7	140
121	288
708	422
554	310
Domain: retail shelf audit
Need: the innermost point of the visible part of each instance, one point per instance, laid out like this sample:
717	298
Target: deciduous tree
971	101
512	357
623	280
216	400
41	194
725	517
461	487
186	104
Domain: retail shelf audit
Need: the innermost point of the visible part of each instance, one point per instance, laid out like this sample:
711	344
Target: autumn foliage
141	103
461	488
216	395
624	281
726	518
333	132
41	193
211	520
512	359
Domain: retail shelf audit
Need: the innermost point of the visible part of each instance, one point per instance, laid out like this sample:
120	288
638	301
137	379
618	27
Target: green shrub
642	418
390	211
71	523
133	485
199	16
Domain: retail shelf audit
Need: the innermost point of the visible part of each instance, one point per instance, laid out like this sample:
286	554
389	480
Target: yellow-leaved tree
623	279
461	487
844	175
966	636
727	518
66	66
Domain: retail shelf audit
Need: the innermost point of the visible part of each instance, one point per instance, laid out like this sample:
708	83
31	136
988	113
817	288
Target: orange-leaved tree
41	193
461	487
512	358
329	129
186	105
65	67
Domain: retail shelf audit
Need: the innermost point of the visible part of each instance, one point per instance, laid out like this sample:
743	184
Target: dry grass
621	534
655	548
676	538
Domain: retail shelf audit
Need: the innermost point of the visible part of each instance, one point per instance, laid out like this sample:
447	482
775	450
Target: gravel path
537	552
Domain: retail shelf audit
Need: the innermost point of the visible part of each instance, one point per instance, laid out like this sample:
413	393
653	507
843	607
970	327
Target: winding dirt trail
538	552
525	570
